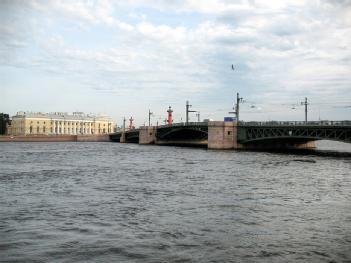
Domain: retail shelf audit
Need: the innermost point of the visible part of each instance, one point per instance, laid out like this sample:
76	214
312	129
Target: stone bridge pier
147	135
223	135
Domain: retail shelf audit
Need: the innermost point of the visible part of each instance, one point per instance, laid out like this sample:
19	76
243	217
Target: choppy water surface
110	202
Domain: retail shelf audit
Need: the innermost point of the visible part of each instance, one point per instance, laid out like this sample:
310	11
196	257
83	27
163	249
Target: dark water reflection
108	202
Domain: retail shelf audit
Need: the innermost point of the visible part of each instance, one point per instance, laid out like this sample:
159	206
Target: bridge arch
182	133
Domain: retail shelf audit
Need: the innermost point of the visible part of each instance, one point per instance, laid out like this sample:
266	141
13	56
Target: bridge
291	134
239	135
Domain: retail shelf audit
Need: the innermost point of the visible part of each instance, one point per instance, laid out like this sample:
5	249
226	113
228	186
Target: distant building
4	122
59	123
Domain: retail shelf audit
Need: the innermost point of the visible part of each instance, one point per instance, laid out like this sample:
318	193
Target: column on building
56	127
61	127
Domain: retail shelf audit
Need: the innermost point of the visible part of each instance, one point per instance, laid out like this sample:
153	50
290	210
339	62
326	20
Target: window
229	132
38	129
44	129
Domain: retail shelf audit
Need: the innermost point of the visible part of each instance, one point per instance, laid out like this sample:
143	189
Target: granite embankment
55	138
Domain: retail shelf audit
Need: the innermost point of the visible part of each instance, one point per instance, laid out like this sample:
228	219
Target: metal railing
181	124
296	123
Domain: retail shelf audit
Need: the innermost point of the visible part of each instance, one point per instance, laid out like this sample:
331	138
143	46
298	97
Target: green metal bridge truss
251	132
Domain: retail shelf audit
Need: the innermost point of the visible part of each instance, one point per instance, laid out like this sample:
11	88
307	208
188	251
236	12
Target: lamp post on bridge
124	124
306	104
150	114
237	106
187	111
198	116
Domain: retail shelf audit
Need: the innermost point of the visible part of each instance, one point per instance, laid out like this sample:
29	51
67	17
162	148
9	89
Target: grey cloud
341	3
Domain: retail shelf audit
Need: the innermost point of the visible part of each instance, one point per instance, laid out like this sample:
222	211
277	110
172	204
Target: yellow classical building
59	123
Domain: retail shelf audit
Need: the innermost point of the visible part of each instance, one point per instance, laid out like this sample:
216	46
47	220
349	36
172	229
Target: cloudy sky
121	58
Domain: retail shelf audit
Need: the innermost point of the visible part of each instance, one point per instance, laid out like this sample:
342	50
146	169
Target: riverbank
55	138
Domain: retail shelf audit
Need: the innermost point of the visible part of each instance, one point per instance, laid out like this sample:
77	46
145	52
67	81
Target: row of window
68	130
72	123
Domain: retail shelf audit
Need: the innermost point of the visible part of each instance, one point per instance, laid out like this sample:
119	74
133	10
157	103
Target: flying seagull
232	67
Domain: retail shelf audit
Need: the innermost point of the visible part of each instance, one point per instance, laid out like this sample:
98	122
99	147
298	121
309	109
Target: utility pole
150	114
187	111
306	104
237	106
124	124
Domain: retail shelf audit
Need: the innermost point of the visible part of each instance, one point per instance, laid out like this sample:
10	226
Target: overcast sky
121	58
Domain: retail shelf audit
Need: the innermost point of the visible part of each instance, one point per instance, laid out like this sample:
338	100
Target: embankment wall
55	138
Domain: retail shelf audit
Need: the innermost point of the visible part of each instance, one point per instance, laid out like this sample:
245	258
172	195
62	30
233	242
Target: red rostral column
170	120
131	123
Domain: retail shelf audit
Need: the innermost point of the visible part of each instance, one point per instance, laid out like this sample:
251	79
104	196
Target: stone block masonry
222	135
147	135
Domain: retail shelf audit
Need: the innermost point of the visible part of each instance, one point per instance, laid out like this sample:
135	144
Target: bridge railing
295	123
181	124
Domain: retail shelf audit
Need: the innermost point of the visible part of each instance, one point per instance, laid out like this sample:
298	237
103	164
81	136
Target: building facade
59	123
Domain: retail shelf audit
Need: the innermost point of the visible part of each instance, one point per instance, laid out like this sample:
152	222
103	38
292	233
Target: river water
111	202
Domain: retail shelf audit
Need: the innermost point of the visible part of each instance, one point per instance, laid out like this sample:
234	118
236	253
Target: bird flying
232	67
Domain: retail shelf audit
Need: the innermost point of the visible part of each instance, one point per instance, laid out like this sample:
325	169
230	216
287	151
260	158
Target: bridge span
239	135
292	134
